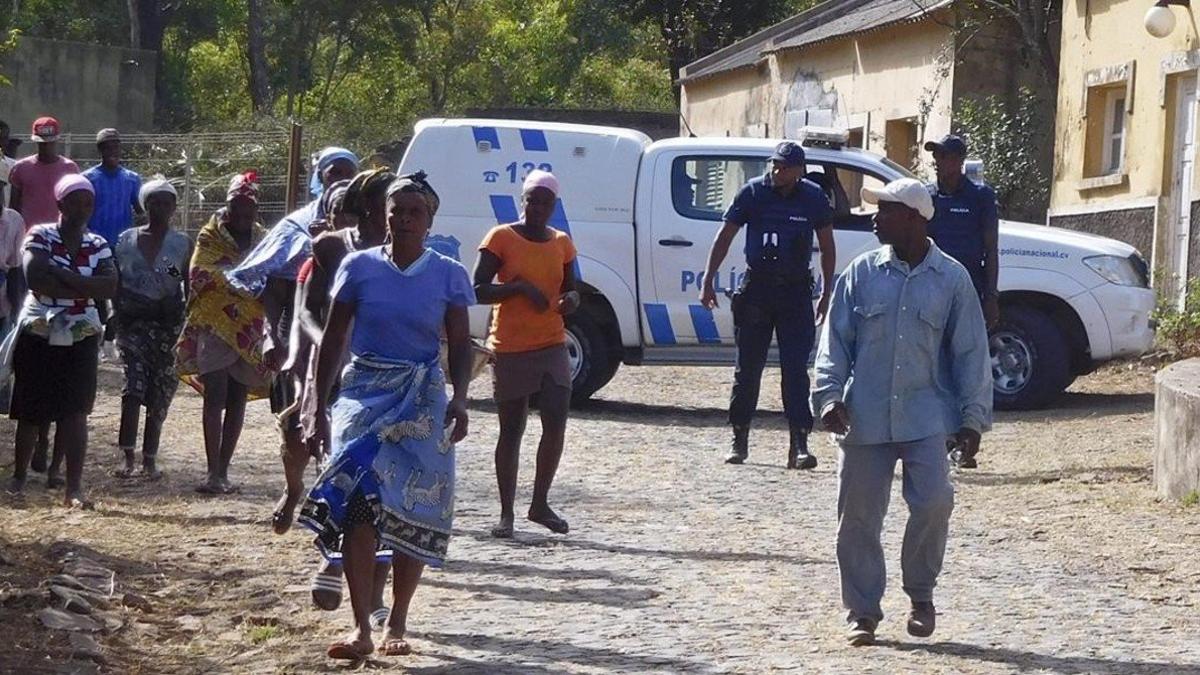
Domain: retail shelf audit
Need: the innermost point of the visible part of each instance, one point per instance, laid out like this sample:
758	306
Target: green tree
1003	139
8	42
694	28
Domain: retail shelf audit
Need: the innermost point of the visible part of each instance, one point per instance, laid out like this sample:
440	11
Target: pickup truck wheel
592	360
1031	362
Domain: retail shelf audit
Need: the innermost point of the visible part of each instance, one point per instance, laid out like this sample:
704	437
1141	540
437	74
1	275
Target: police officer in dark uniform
965	223
780	212
966	226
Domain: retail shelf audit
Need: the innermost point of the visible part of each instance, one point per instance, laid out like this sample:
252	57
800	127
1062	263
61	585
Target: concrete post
1177	430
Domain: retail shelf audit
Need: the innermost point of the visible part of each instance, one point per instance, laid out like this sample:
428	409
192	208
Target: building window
900	142
1107	111
1114	131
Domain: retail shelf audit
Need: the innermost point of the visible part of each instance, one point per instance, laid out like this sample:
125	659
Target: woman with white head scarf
151	303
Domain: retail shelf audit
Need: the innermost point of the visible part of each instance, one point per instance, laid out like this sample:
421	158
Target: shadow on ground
1025	661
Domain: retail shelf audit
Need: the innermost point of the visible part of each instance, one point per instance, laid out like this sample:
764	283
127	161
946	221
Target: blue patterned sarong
389	445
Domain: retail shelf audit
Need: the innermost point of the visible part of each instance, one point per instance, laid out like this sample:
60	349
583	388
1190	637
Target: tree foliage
1004	137
367	69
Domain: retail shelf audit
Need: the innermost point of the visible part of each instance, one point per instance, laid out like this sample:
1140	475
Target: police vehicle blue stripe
488	134
558	220
504	207
660	324
705	325
534	140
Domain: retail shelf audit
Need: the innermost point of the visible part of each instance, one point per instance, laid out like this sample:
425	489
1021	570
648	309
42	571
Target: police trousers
763	308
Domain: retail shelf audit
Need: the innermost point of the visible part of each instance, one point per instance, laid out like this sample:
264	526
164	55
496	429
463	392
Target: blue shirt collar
934	260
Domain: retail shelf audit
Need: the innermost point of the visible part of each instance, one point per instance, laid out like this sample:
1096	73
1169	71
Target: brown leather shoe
922	619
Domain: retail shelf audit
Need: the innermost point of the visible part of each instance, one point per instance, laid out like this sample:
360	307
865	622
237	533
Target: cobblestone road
1059	561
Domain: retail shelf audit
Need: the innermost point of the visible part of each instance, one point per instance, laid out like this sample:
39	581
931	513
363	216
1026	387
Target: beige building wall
1105	47
902	75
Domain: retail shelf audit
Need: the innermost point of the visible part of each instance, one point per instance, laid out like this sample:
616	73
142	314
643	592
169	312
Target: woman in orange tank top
527	271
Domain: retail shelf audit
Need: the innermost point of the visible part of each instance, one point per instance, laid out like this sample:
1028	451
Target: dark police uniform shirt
788	222
959	222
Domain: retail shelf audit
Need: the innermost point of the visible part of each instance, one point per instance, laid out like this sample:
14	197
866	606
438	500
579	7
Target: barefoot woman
220	350
535	266
389	482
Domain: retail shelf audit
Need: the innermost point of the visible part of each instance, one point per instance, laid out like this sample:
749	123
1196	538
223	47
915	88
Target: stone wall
86	86
1177	430
1132	226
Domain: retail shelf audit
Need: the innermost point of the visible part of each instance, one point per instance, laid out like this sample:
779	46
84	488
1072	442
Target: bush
1179	330
1011	138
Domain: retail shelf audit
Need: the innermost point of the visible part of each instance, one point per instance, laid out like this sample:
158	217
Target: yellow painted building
890	71
1126	133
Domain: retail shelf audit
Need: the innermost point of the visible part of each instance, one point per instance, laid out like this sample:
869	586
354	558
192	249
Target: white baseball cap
907	191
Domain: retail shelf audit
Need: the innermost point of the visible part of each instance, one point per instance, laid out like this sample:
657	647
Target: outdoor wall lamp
1160	20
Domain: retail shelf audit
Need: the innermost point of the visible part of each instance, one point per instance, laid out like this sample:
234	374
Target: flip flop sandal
379	617
325	583
502	532
345	651
395	647
208	489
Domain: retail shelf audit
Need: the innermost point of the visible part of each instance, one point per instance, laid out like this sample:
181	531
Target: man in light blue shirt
902	365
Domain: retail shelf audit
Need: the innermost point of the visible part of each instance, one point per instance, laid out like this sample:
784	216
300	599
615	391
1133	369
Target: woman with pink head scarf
527	271
53	351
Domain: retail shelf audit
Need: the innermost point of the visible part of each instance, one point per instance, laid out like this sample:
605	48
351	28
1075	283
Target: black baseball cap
950	143
789	153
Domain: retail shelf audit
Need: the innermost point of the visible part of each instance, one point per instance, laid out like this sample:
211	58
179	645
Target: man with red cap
33	178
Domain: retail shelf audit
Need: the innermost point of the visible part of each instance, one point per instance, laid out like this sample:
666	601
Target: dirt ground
1060	558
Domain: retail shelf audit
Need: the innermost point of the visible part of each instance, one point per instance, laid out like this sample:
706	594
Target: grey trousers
865	474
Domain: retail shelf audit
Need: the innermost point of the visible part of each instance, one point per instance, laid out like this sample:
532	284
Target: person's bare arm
14	199
329	361
488	292
458	342
828	270
569	300
40	276
716	256
275	298
101	285
314	292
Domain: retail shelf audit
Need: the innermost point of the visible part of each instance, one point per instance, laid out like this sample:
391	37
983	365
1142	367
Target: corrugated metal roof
869	16
829	20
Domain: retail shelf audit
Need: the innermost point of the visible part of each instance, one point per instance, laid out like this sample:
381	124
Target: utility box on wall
86	86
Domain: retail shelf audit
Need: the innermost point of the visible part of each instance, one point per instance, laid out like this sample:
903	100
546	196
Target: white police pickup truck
642	215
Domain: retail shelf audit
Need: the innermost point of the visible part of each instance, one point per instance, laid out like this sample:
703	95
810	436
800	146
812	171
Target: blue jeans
865	474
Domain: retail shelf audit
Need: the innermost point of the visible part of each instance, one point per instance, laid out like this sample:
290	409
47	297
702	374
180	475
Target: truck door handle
675	241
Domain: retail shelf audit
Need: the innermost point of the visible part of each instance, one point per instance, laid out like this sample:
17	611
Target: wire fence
200	165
